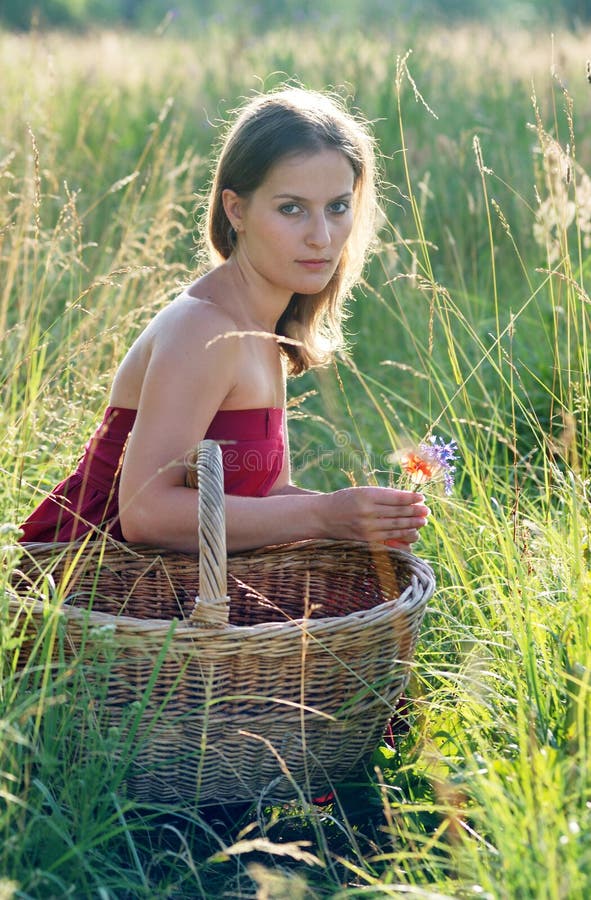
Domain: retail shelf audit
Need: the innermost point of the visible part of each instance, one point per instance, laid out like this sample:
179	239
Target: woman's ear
234	208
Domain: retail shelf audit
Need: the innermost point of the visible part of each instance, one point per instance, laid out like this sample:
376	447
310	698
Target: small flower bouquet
432	461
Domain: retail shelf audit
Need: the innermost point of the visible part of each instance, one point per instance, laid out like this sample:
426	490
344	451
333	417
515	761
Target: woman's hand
385	515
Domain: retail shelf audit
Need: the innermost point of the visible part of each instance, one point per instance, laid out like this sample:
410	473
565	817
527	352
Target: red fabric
252	458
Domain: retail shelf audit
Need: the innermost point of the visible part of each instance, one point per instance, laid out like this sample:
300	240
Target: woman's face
293	228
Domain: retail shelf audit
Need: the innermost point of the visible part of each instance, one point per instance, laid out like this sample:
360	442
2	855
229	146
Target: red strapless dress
89	498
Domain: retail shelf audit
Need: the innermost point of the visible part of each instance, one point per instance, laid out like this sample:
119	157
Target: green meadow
472	323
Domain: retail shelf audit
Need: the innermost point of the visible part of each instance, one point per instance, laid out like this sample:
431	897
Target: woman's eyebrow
346	196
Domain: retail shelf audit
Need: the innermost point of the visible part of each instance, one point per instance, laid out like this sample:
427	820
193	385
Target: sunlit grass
465	326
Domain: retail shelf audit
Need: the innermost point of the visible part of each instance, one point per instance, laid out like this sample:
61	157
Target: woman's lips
313	264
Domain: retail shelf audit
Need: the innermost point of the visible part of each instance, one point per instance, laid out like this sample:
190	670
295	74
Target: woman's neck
260	303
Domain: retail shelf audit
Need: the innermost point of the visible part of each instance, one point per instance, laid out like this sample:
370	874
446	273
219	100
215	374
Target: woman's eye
339	207
289	209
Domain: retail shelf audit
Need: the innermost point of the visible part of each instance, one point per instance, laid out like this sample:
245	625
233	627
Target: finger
401	522
407	537
395	495
398	545
396	510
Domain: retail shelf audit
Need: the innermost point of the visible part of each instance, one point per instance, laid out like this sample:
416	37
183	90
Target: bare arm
186	381
365	514
379	514
410	503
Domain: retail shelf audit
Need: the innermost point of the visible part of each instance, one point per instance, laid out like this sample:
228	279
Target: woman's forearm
275	519
167	518
171	520
291	489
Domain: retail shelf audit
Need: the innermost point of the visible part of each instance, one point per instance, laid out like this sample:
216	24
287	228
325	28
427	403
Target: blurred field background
473	323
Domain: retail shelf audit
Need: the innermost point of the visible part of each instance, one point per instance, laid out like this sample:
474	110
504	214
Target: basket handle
212	603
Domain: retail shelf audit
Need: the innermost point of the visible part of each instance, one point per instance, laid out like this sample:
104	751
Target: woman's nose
318	233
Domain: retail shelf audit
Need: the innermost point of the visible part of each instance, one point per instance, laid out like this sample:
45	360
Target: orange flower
430	461
419	468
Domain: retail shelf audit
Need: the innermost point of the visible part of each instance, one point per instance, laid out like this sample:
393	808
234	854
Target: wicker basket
280	682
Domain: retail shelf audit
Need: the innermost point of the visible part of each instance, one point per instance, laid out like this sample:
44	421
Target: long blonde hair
268	128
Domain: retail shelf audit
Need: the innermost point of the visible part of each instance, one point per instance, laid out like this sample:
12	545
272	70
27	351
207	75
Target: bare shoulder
183	345
192	333
192	321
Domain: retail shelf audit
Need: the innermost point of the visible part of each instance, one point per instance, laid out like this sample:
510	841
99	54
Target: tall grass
465	326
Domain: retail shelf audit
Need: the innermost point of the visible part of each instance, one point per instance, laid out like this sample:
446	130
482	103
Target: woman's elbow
135	525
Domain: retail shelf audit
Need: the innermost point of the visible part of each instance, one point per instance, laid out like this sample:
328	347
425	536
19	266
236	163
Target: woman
291	216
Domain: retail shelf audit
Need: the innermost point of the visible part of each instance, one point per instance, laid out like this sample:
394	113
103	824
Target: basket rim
183	628
419	590
105	543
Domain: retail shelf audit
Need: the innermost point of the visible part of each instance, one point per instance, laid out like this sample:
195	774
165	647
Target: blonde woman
290	220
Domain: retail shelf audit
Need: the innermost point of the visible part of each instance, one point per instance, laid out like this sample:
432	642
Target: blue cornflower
431	461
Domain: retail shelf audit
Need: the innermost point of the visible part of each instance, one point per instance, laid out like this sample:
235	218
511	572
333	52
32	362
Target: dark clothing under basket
281	683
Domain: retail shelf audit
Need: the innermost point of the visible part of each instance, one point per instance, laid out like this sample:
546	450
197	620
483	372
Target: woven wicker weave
284	685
